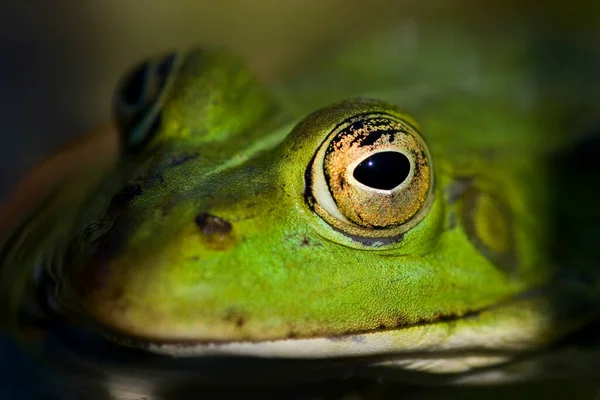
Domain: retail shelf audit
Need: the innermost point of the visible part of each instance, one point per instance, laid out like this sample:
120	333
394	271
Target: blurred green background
62	58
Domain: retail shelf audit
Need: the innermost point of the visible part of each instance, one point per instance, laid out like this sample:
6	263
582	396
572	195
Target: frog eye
138	100
371	177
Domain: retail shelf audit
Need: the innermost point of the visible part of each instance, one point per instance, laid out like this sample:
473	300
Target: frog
384	214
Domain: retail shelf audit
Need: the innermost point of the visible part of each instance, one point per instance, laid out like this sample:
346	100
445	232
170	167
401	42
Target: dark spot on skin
306	242
182	159
127	194
400	321
153	179
236	317
446	317
216	233
211	225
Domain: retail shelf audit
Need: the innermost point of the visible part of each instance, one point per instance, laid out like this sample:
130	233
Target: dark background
60	60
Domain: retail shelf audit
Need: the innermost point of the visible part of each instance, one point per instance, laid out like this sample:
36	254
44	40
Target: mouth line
527	320
402	339
321	347
85	352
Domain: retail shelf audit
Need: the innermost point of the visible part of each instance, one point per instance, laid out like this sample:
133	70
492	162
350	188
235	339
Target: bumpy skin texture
276	270
204	232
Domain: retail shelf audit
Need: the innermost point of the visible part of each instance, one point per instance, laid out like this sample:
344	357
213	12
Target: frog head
242	226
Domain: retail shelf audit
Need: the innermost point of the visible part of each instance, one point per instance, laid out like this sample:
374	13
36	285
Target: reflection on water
93	369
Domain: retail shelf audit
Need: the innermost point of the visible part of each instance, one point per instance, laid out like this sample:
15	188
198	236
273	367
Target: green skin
203	233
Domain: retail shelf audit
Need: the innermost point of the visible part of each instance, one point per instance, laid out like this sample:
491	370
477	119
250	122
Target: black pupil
384	170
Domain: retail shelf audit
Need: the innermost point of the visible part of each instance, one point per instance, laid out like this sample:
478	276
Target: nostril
212	225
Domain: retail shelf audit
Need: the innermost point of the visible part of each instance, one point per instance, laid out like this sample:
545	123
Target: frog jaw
522	325
510	327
